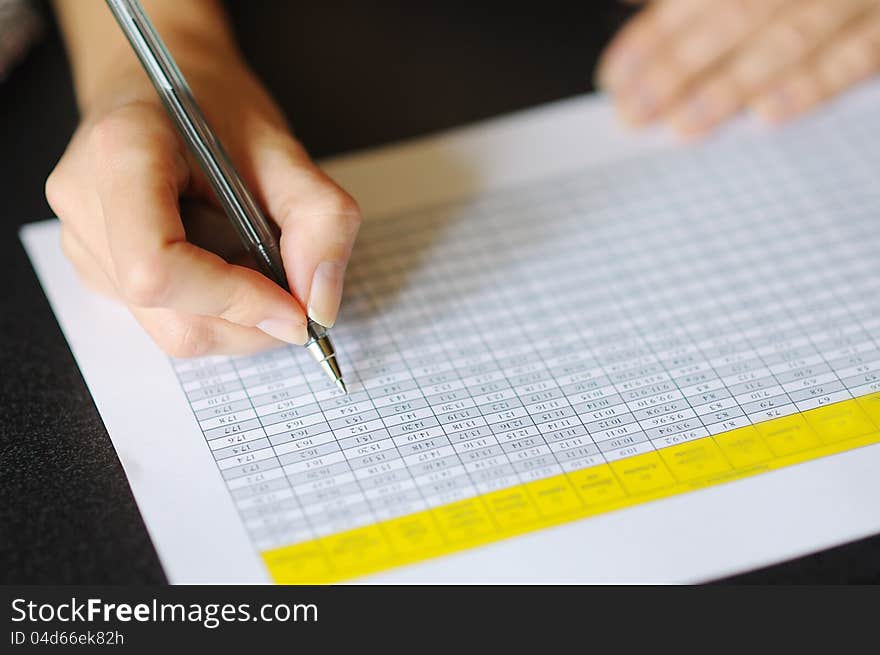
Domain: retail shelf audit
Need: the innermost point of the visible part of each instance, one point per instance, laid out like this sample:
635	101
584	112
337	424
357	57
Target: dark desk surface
348	77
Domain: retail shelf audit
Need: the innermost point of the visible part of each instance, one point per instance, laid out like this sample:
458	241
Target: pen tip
341	385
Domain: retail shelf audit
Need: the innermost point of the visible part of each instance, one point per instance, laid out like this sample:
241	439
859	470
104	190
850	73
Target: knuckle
821	13
338	206
336	203
110	133
144	281
738	10
55	191
347	208
136	122
864	54
333	204
792	38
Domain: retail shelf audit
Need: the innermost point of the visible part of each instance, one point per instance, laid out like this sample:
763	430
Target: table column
243	451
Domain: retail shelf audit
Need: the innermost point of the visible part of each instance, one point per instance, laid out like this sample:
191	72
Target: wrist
121	79
104	64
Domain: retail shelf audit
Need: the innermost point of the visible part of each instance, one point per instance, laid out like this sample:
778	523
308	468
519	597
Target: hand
696	63
117	191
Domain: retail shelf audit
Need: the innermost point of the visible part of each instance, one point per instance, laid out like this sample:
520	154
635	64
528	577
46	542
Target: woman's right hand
117	191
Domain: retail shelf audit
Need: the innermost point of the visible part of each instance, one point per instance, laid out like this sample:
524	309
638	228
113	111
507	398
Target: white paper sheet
555	264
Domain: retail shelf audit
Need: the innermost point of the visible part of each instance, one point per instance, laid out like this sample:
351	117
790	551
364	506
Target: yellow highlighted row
534	505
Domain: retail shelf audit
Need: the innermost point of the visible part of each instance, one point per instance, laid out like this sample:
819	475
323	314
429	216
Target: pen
257	234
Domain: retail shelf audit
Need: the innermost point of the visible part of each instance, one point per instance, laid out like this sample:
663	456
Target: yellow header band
571	496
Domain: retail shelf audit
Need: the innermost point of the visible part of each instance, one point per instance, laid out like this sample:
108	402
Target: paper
573	355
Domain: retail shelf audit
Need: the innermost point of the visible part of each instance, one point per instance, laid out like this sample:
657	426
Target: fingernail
775	106
695	114
326	293
641	106
282	330
620	65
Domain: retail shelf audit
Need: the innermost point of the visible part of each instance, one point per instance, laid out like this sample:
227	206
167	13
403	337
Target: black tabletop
349	75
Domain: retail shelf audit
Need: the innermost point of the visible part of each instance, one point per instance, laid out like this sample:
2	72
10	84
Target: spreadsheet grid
558	325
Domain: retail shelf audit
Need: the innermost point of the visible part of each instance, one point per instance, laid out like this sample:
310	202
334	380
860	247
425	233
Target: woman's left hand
696	63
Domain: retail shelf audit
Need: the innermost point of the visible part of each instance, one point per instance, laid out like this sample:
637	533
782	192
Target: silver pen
256	232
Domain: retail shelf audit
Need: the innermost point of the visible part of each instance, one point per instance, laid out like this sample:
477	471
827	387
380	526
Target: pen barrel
258	235
269	260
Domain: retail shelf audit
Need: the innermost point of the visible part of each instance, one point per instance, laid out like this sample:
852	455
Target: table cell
732	423
394	390
486	388
743	447
619	420
862	379
565	434
628	451
597	486
222	409
234	418
409	395
697	460
642	474
645	393
269	502
213	391
515	416
361	429
261	488
350	409
291	397
382	474
214	401
673	418
402	440
839	421
458	416
369	417
788	434
679	437
497	406
343	492
439	451
447	406
443	391
237	438
297	423
242	449
828	389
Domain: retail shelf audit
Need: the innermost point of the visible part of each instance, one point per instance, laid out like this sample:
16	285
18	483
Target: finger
75	202
850	58
803	28
183	335
798	31
692	55
87	268
713	102
175	333
139	174
714	34
319	222
631	49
